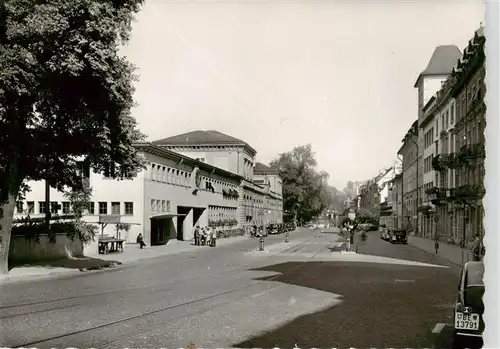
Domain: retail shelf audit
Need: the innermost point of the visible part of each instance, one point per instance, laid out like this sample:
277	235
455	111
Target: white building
171	196
428	83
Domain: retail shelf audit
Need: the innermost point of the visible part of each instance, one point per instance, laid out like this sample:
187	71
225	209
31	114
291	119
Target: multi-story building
176	192
430	81
409	152
397	200
460	167
260	202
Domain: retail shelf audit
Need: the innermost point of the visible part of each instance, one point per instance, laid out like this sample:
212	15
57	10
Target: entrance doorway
159	231
182	214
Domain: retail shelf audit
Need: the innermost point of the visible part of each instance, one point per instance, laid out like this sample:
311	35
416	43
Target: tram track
162	309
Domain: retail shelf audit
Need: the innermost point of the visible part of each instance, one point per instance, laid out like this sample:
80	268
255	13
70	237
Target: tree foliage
65	93
306	192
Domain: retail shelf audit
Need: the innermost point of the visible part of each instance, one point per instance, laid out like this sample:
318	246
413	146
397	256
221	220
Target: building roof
200	137
260	167
442	61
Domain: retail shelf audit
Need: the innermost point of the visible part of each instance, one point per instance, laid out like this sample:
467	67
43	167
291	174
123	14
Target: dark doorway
197	212
183	211
158	229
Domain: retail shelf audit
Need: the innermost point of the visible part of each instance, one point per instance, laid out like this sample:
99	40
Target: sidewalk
131	253
451	253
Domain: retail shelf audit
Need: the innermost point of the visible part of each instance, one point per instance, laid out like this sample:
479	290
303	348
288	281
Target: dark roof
442	61
200	137
260	167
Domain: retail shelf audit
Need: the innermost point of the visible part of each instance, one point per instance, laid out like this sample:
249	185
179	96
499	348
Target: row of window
64	207
222	213
428	164
160	206
165	174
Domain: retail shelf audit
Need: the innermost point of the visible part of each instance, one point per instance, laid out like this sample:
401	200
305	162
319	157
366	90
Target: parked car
398	236
469	307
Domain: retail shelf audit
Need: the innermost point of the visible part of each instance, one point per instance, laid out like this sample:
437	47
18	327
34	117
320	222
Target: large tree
305	191
65	96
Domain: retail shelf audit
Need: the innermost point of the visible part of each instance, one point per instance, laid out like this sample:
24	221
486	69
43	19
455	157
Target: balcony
437	164
466	193
437	196
471	154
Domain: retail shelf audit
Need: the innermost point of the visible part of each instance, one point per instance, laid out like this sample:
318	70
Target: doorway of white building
162	228
187	219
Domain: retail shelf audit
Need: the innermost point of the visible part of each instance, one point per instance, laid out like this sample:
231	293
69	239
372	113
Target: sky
278	74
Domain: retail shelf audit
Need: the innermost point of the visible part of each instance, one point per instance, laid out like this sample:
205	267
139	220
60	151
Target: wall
181	194
233	159
104	190
21	248
431	85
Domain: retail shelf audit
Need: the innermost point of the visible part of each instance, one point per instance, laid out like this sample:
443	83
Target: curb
434	254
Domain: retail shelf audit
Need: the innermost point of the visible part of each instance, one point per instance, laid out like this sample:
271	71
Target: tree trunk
6	218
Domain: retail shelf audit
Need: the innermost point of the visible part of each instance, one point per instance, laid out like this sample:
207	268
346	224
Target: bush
32	230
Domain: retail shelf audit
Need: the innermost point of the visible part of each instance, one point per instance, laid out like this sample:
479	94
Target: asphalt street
291	294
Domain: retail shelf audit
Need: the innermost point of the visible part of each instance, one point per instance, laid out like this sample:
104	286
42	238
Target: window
115	208
109	170
54	207
153	205
168	206
163	206
158	205
447	118
19	207
442	122
65	207
452	114
31	206
437	126
91	208
129	208
42	208
103	207
201	159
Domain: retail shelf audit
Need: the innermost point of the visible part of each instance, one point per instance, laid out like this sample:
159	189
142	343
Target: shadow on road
376	309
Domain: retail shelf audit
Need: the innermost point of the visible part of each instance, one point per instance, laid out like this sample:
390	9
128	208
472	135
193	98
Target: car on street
469	307
398	236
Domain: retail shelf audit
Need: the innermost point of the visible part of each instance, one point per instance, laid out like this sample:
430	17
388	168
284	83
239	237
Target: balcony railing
468	192
437	163
436	195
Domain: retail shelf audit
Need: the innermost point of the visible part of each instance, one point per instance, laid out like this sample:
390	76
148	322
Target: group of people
205	236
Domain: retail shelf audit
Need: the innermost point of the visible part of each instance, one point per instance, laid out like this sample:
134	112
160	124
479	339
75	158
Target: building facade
172	195
428	83
397	200
410	178
460	165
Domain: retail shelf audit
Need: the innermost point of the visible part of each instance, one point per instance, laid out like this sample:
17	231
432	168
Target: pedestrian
197	235
436	245
203	236
213	238
140	241
476	248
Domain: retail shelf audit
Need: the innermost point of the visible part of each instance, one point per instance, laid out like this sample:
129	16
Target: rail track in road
162	309
79	300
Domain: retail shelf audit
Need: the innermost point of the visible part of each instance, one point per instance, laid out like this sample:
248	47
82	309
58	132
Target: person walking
213	238
476	248
436	245
197	235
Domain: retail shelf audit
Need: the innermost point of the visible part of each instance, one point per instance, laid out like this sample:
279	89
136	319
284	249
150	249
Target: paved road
296	293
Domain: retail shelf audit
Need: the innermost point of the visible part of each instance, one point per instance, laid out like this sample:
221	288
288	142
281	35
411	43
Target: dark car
469	308
398	236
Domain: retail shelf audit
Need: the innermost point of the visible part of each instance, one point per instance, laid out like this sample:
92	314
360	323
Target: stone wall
22	248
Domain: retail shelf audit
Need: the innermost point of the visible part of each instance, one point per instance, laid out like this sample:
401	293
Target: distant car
398	236
469	307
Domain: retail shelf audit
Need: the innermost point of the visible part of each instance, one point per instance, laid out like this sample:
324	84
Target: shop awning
166	215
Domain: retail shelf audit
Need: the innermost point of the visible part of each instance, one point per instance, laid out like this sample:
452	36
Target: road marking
438	328
398	280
